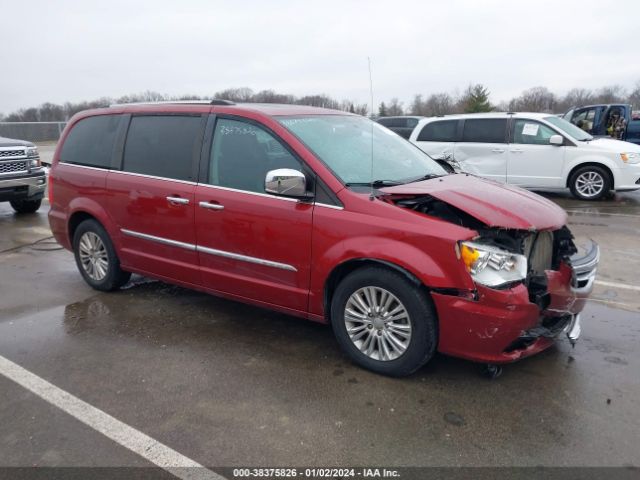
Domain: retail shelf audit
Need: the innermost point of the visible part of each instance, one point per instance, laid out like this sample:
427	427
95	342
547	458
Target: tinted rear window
440	131
162	146
411	122
91	141
485	130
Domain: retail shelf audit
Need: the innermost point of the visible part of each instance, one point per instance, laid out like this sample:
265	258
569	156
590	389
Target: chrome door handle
517	150
211	206
498	150
178	200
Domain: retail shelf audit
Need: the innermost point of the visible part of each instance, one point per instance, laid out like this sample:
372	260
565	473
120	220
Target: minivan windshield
569	128
348	143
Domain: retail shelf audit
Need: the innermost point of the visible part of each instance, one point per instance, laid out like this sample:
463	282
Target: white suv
532	150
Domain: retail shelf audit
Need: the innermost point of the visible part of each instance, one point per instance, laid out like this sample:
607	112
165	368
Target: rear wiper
375	183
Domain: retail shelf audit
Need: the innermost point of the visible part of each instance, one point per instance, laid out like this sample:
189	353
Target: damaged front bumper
502	326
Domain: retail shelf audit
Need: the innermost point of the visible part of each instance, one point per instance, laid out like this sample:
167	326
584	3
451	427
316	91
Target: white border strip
112	428
602	214
617	285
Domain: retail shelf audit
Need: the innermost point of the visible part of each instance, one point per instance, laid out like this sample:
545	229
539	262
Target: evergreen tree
382	110
476	99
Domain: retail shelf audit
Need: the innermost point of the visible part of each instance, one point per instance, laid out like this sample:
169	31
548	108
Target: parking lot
225	384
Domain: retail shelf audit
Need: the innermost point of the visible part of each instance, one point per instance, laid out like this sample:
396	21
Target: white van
531	150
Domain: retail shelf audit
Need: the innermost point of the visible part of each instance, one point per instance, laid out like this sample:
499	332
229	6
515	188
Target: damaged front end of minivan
530	281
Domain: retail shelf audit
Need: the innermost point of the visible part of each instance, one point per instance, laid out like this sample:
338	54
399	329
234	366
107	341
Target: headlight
492	266
630	157
34	157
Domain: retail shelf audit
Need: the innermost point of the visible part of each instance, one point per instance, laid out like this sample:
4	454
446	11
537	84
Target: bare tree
361	109
536	99
322	100
634	96
611	94
243	94
417	105
575	97
395	108
474	99
439	104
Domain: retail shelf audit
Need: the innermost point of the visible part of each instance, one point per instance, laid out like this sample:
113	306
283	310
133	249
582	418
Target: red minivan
323	215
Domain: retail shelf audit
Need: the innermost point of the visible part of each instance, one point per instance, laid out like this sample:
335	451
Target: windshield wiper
375	183
428	176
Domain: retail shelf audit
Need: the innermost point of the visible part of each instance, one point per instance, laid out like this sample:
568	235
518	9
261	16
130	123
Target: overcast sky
70	51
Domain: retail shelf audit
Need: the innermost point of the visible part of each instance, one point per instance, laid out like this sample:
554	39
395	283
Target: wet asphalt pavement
227	384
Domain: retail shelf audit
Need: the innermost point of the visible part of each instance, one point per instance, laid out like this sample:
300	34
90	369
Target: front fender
443	271
592	158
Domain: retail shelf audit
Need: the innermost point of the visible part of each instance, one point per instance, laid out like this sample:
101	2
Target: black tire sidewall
421	313
115	277
600	171
26	206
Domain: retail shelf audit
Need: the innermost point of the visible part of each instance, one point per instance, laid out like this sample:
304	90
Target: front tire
383	321
26	206
590	183
96	258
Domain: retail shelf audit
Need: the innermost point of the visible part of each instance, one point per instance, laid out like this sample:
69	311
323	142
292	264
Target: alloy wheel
377	323
589	184
93	256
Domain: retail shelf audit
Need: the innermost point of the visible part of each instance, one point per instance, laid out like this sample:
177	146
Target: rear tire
398	344
26	206
590	183
96	258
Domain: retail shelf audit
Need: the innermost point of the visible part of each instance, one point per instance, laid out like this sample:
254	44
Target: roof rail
177	102
217	101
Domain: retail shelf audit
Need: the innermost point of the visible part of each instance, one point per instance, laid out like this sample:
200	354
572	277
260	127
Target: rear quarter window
91	141
439	131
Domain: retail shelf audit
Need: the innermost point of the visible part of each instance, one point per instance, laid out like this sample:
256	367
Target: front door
533	162
252	244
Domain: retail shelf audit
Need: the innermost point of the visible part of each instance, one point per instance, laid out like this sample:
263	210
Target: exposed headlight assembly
492	266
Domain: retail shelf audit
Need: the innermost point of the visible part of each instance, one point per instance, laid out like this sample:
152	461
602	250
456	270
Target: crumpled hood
494	204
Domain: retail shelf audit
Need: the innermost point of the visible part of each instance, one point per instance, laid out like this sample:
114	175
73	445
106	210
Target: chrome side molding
164	241
209	251
245	258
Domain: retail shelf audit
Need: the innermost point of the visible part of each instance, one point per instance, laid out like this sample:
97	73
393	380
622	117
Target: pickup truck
22	178
614	120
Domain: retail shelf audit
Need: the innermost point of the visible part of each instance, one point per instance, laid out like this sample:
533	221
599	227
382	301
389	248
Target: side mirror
287	182
556	140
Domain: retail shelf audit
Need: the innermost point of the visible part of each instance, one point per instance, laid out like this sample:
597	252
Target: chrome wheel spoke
93	256
590	184
397	343
385	351
377	323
